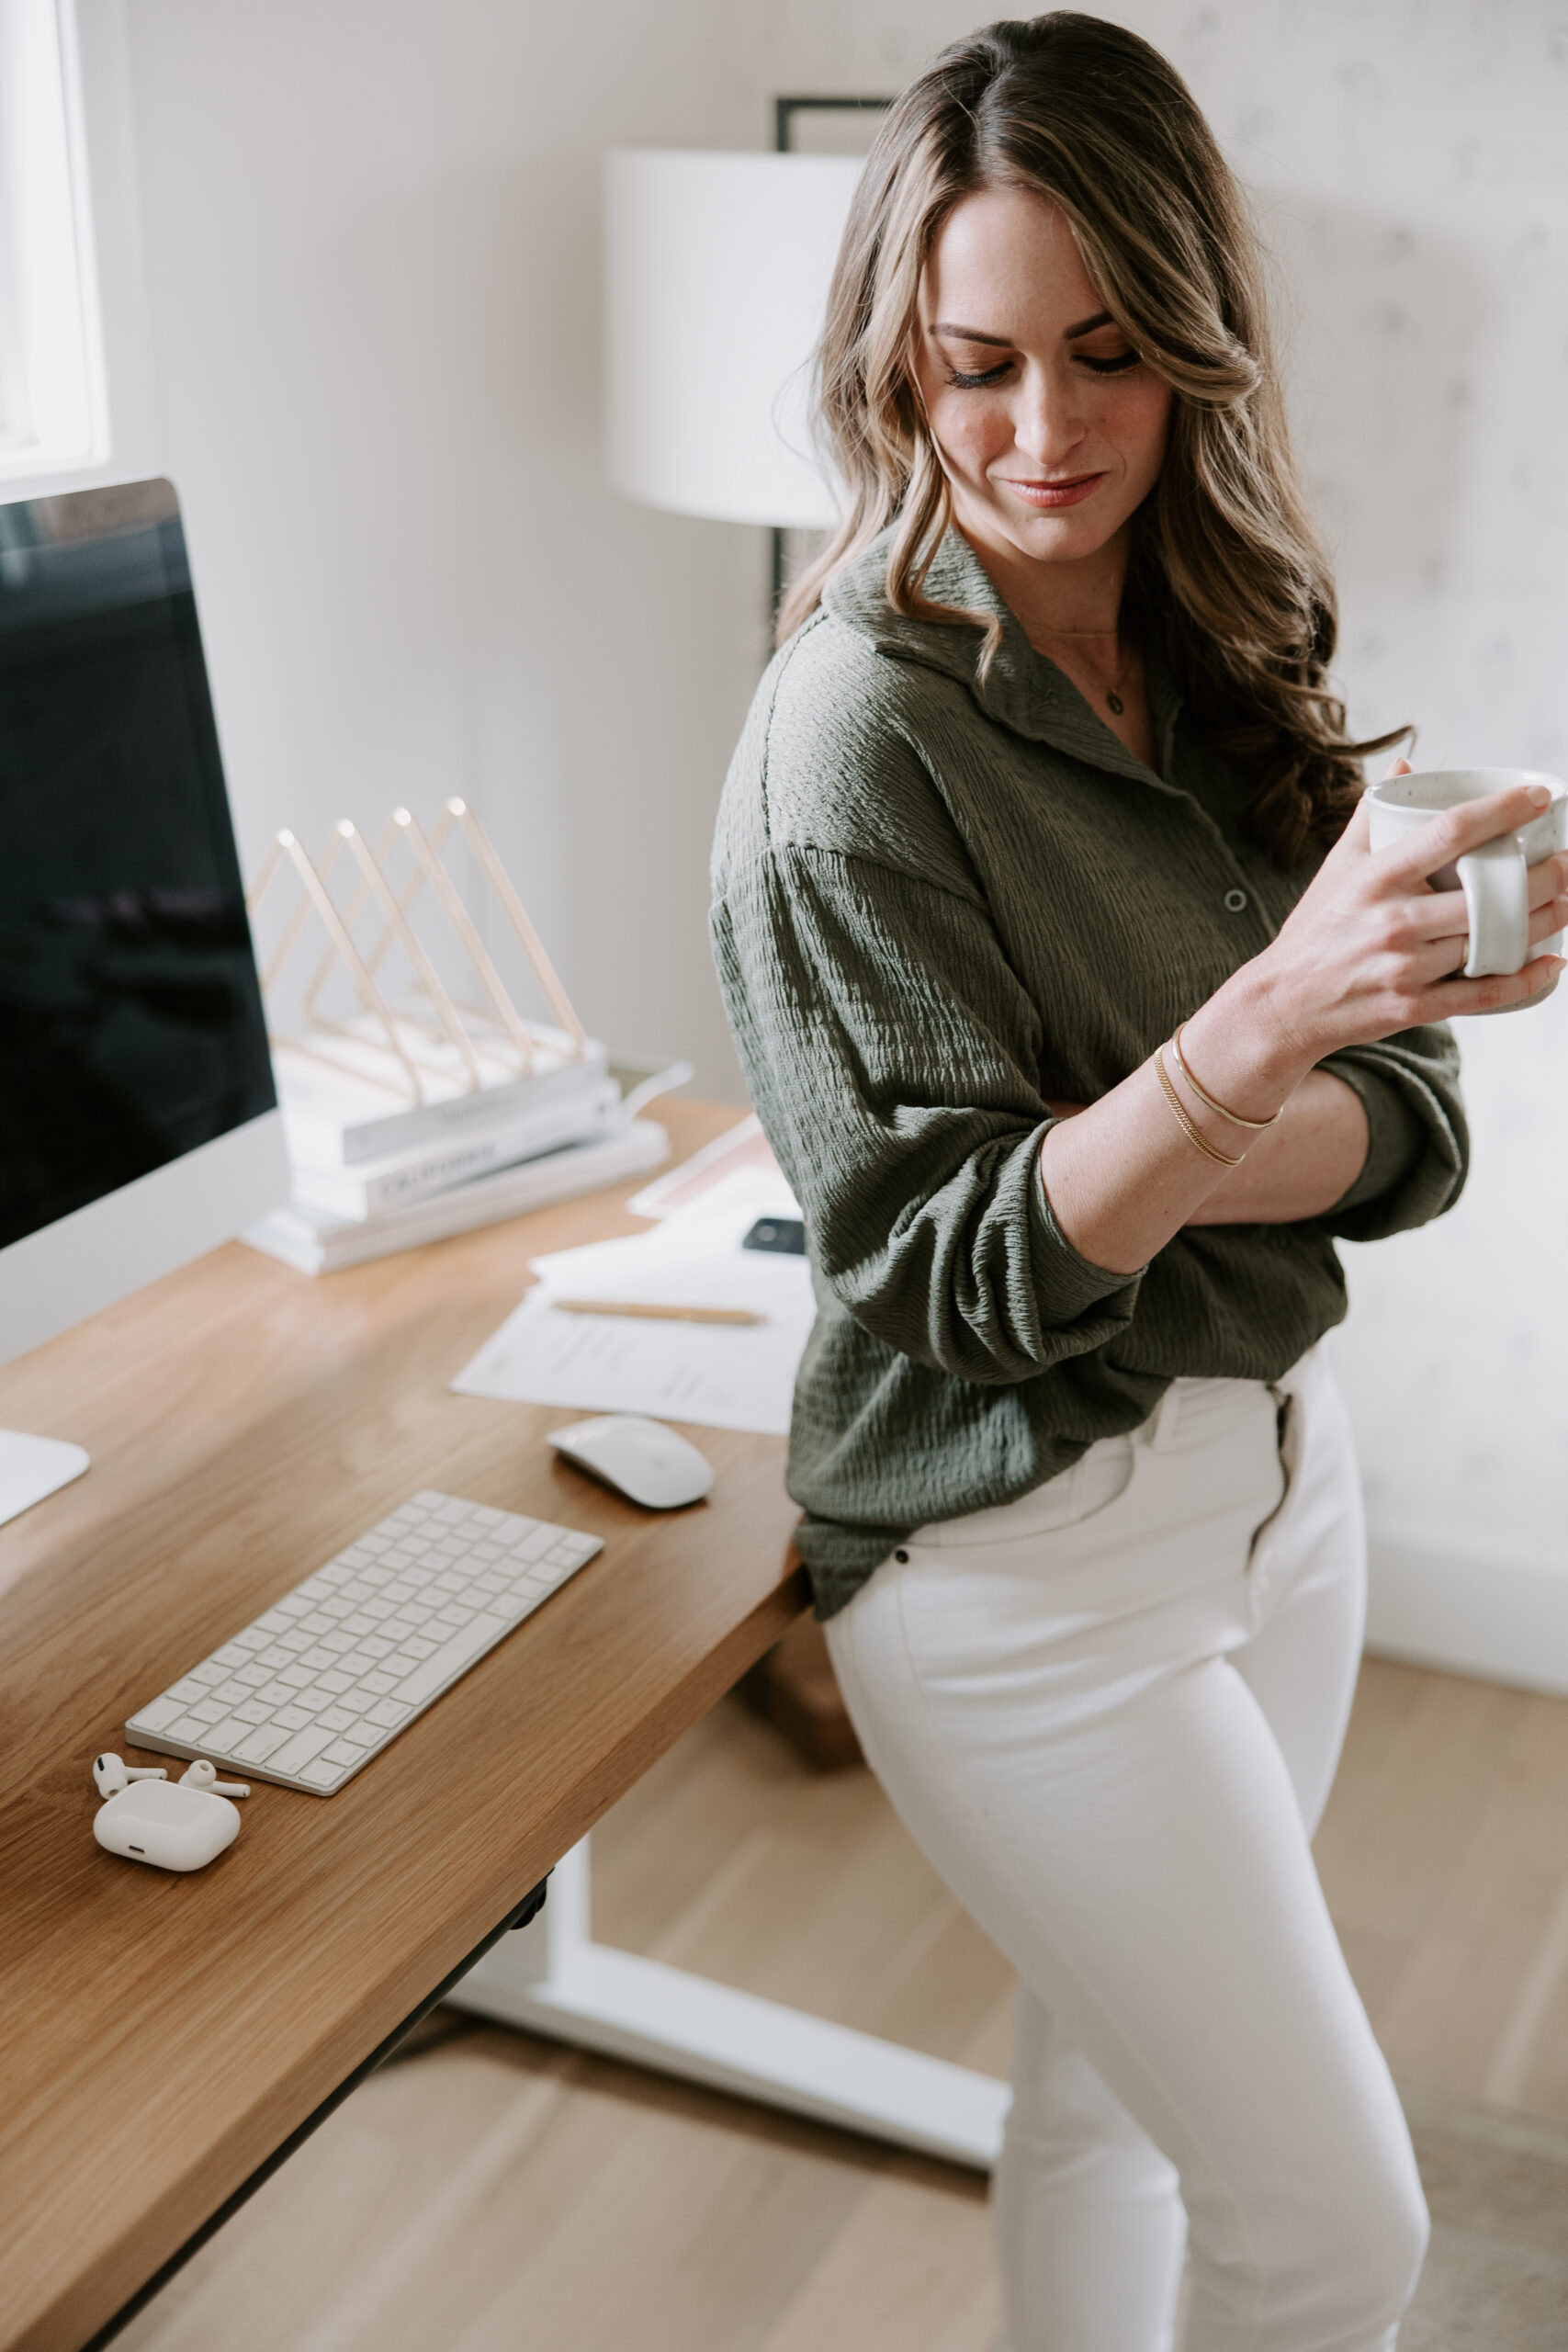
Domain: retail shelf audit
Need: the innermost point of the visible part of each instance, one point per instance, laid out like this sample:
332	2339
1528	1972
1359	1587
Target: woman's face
1049	426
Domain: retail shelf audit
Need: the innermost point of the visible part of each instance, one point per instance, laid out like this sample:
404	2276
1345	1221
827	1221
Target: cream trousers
1109	1713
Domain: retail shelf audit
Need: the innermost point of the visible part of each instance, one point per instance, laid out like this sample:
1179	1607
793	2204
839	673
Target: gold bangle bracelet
1188	1129
1257	1125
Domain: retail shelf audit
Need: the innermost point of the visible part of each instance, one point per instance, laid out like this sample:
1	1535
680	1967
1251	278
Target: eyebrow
1000	343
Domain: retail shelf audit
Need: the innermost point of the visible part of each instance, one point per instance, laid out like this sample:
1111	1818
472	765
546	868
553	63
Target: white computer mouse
646	1462
163	1822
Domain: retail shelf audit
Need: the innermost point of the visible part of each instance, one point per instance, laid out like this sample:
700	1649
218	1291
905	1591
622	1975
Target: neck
1078	598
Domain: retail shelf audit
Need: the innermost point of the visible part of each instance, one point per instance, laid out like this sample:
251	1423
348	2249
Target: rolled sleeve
891	1054
1418	1141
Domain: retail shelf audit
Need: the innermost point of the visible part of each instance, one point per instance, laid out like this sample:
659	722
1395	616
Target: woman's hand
1371	948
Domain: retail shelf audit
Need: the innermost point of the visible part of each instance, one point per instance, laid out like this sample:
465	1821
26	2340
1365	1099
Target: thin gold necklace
1113	700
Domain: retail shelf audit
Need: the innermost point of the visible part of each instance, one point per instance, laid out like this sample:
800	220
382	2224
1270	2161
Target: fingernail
1540	795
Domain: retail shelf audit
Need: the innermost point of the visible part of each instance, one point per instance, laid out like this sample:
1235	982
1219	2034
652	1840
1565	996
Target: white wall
373	249
373	245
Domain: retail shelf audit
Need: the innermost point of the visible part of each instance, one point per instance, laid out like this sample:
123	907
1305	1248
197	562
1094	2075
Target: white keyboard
337	1668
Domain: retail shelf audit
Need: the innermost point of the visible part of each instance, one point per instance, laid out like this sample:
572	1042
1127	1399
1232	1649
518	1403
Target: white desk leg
553	1979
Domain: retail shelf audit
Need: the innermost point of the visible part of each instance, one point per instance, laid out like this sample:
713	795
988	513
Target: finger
1549	879
1356	838
1400	768
1444	938
1452	1000
1437	843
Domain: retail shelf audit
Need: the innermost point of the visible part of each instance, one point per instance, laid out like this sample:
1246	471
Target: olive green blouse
937	903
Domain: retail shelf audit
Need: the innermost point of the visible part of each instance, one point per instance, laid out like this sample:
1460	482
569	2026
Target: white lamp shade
718	280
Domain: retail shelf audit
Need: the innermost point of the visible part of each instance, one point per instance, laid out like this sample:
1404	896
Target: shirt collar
1022	689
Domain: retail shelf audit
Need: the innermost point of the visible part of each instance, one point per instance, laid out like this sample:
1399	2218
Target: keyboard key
335	1683
252	1638
231	1655
186	1691
301	1749
228	1733
322	1775
255	1714
471	1643
345	1751
158	1715
261	1745
356	1703
209	1672
334	1719
297	1676
292	1718
389	1713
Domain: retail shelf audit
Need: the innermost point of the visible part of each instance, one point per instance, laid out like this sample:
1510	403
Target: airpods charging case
163	1822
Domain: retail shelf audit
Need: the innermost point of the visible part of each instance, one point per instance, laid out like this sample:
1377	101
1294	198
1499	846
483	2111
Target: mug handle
1494	880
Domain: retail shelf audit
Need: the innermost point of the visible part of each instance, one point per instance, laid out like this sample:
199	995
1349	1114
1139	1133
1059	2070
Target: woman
1047	802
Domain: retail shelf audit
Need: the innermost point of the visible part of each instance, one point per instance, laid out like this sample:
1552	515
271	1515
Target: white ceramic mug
1493	878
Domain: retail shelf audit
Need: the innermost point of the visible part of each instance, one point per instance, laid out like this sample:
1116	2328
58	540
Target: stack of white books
373	1174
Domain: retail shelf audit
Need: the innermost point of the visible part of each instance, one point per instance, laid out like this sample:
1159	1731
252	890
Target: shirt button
901	1555
1235	901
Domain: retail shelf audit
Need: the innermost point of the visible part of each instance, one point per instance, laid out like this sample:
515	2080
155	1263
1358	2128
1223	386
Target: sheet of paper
720	1376
743	1147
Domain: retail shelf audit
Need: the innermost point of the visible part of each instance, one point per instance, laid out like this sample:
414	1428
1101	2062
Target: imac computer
138	1121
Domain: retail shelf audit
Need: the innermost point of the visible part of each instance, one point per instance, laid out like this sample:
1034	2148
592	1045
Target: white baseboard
1503	1618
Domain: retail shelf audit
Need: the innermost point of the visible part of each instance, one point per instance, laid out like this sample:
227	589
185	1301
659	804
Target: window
52	410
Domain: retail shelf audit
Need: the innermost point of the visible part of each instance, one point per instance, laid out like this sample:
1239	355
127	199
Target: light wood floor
492	2195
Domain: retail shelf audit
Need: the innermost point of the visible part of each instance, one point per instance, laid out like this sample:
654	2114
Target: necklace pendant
1117	705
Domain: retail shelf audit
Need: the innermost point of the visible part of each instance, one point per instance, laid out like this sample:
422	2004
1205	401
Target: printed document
719	1375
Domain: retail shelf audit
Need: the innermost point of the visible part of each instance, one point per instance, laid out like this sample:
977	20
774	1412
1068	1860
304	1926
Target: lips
1047	495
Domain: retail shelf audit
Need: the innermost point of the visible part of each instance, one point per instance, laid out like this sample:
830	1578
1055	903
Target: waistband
1192	1409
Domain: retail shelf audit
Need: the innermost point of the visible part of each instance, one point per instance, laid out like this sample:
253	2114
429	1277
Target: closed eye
972	384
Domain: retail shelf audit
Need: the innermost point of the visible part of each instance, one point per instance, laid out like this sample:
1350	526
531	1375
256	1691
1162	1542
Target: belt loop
1166	1419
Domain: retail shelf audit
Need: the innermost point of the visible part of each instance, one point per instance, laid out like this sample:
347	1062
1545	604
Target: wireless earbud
110	1775
203	1775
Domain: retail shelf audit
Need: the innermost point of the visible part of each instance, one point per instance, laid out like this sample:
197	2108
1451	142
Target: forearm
1300	1168
1124	1176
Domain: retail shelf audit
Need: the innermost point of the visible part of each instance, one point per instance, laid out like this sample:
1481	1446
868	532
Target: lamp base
32	1467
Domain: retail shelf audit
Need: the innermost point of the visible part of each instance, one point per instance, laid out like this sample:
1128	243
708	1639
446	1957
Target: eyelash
994	375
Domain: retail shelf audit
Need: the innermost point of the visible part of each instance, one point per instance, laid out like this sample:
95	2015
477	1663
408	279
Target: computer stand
31	1468
551	1978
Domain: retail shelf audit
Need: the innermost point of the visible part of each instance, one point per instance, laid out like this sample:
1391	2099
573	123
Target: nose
1048	425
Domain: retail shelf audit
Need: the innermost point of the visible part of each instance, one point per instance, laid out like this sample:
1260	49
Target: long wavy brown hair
1225	563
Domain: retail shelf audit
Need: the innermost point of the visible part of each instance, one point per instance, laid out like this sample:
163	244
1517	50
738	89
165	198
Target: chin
1057	537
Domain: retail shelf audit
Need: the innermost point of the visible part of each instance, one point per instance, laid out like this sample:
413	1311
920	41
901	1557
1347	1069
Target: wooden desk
162	2035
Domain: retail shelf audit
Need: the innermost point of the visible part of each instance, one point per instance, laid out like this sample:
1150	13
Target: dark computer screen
130	1019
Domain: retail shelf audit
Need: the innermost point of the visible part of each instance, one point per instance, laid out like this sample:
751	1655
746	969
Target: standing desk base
552	1979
